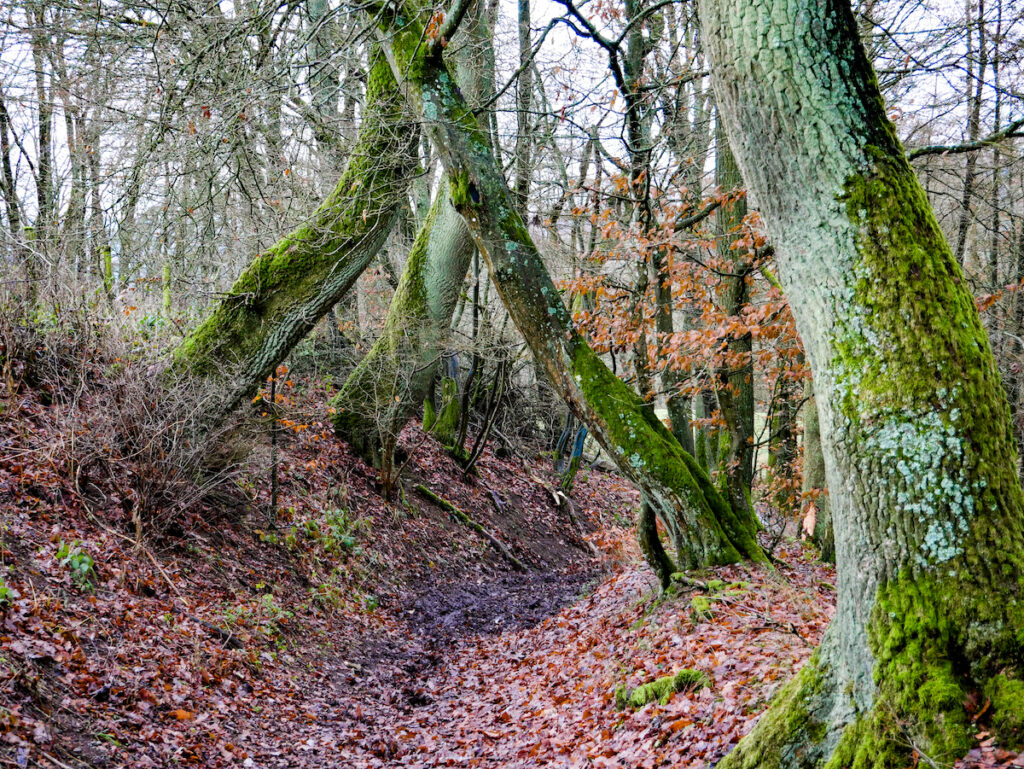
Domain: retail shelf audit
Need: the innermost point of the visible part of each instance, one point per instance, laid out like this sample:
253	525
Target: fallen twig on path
464	517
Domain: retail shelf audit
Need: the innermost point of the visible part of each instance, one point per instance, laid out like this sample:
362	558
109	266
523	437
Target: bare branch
1012	131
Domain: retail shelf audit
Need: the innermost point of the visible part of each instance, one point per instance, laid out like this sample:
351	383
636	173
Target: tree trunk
973	127
735	385
394	378
815	484
915	430
703	527
45	203
524	96
679	406
281	296
782	448
9	188
1015	380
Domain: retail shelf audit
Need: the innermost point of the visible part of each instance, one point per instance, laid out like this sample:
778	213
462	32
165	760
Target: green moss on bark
919	702
641	445
285	290
1007	697
447	419
927	419
929	508
646	447
935	641
651	547
377	396
790	733
916	376
429	413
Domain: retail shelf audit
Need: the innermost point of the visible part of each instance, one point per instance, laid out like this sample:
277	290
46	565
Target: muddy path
519	671
362	695
438	617
446	611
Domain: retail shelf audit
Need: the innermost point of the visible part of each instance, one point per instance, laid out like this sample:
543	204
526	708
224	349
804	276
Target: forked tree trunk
702	525
920	457
282	295
394	378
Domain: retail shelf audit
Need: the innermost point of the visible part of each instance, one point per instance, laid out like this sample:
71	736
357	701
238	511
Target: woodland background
272	596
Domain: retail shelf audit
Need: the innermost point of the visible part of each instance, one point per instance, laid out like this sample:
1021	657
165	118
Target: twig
692	584
464	517
54	761
230	640
498	504
562	501
683	222
769	622
137	544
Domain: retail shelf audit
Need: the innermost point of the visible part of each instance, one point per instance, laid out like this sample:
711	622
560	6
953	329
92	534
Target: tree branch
452	19
610	46
684	222
1012	131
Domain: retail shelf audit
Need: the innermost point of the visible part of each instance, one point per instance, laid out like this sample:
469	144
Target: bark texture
394	378
281	296
702	525
735	386
814	478
920	457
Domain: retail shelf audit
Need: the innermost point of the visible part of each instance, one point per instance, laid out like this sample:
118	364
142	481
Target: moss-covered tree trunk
281	296
702	525
920	457
735	386
394	378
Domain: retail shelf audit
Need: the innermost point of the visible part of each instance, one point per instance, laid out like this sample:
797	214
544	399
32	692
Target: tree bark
679	406
735	385
815	484
45	203
524	97
919	453
9	188
973	127
281	296
703	527
383	392
782	448
395	377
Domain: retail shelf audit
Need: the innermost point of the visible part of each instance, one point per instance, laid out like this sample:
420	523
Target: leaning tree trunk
393	379
703	527
920	457
282	295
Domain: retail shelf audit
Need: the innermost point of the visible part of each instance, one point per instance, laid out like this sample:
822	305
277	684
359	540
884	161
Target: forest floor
353	631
